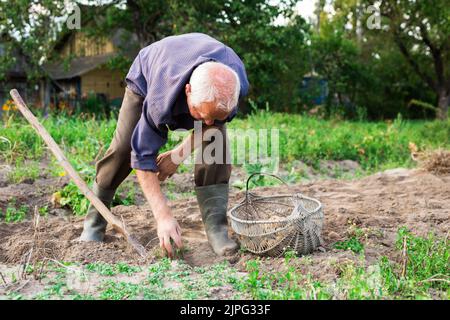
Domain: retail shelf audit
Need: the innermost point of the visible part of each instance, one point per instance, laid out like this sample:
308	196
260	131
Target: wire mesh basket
272	225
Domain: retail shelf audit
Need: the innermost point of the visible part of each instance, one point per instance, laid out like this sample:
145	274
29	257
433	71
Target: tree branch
404	50
437	58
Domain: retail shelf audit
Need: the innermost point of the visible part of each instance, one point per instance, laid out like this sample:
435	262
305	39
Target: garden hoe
96	202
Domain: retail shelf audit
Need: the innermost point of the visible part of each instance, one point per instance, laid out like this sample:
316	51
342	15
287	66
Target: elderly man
171	84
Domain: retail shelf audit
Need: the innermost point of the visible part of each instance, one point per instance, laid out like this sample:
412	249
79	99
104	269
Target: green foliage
357	282
352	244
72	197
289	284
427	276
80	136
427	257
129	190
375	145
13	213
369	72
36	30
274	55
43	211
420	31
105	269
426	265
119	290
94	104
337	60
259	180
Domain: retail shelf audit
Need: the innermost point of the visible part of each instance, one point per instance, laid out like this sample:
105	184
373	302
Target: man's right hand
168	228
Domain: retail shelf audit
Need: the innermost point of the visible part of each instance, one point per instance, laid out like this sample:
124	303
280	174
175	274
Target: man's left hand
166	166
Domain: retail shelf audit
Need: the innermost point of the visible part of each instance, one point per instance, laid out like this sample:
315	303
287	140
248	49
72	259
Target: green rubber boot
213	202
94	224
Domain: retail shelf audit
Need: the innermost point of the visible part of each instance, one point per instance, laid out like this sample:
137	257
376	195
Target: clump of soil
379	205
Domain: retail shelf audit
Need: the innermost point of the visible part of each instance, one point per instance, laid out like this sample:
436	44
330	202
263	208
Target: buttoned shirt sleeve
135	78
146	141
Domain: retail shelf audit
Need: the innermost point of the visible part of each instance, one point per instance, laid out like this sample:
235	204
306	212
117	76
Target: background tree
421	30
380	71
274	54
29	27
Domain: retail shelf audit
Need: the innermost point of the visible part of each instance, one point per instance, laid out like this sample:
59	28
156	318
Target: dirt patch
378	204
37	193
32	194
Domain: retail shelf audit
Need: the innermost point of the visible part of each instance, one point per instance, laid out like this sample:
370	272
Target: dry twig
404	258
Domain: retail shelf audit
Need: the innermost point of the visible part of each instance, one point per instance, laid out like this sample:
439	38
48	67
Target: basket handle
274	176
261	174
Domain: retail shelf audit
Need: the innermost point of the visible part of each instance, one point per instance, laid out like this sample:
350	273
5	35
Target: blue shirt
159	74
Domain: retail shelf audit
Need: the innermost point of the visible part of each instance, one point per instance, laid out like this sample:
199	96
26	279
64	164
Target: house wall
103	80
80	45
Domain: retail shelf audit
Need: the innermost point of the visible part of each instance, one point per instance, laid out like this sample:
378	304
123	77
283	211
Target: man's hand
166	166
168	228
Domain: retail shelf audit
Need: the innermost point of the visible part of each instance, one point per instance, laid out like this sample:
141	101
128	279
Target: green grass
374	145
112	290
425	266
426	276
22	171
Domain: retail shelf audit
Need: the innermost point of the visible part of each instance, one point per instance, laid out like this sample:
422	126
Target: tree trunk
444	99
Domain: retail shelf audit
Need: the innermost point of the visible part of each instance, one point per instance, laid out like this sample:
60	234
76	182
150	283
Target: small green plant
43	211
105	269
72	197
111	290
13	214
57	288
352	244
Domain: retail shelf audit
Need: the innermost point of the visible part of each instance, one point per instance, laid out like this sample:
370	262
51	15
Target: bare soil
379	205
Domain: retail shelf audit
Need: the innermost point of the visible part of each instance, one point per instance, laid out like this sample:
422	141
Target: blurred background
353	59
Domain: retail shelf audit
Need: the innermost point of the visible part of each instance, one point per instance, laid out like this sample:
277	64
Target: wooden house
83	68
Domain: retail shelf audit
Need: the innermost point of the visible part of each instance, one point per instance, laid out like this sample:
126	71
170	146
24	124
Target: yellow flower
62	174
9	105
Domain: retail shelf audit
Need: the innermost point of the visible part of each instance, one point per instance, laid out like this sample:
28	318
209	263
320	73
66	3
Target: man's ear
187	89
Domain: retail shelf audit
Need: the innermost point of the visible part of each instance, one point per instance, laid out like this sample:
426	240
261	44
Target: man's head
212	92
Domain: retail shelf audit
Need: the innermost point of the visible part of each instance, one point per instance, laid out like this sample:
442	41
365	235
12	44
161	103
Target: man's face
205	112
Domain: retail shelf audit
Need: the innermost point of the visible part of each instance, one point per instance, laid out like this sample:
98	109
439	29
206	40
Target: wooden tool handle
62	160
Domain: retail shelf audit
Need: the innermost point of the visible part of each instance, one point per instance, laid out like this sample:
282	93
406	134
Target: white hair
214	81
